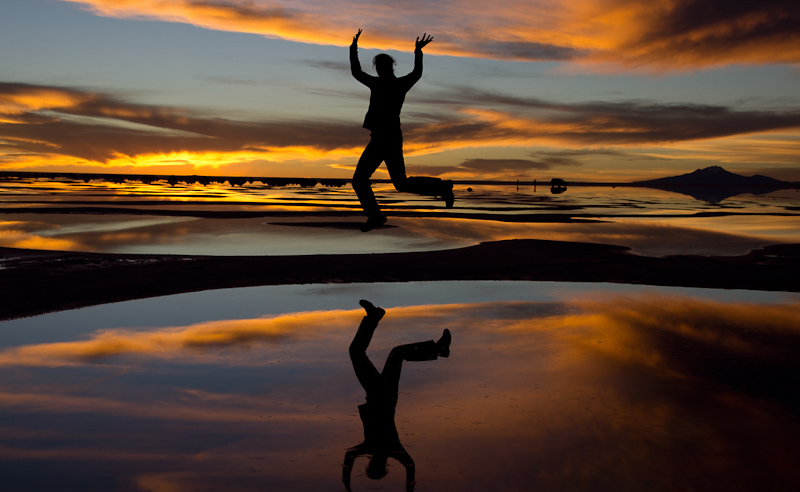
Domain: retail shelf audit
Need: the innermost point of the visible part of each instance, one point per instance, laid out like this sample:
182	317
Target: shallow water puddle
548	386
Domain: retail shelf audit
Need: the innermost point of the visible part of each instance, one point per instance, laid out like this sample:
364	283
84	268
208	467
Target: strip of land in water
34	282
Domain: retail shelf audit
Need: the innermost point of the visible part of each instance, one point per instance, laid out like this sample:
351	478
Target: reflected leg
420	351
367	374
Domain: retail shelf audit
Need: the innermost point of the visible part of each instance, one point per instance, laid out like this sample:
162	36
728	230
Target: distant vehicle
558	186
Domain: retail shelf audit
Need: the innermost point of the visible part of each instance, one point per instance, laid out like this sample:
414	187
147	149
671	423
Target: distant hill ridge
716	176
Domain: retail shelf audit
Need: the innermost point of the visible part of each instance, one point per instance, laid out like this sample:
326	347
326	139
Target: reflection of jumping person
387	94
377	414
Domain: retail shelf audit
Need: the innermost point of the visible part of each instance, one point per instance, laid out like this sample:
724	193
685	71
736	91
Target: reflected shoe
372	310
373	222
443	344
447	195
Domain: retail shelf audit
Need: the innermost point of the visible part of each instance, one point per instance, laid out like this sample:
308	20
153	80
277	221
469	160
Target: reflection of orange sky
729	327
170	342
575	391
683	233
14	235
592	392
719	236
585	321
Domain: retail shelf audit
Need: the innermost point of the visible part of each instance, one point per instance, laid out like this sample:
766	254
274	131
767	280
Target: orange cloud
63	127
16	99
85	128
696	33
664	35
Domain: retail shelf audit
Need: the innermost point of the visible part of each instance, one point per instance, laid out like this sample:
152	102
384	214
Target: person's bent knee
397	353
401	184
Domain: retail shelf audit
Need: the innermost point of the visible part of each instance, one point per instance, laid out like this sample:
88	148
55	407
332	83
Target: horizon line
302	181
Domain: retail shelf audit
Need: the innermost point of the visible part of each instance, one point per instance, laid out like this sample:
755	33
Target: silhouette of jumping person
381	440
387	94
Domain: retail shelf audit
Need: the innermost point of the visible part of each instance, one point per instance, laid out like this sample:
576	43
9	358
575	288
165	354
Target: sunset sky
591	89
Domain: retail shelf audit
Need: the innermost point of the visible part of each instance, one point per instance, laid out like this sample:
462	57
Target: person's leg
413	352
419	185
370	159
365	371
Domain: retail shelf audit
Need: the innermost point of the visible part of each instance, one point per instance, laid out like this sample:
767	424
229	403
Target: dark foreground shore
36	282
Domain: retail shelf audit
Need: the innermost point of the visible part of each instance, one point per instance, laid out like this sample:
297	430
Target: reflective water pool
548	386
134	217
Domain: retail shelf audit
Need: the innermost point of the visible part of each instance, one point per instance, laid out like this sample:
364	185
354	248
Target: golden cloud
16	99
664	35
60	127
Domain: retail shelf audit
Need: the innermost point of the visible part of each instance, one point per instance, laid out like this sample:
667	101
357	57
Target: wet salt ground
157	218
549	386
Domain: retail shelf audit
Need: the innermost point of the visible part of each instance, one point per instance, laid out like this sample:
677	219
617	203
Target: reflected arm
405	459
349	460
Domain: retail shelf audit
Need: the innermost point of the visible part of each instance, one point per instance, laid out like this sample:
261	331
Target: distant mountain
714	184
717	176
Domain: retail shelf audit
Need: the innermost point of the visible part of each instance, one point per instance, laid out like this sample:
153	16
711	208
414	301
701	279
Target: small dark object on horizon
558	186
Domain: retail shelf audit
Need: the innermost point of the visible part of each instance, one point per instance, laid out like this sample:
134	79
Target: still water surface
548	386
133	217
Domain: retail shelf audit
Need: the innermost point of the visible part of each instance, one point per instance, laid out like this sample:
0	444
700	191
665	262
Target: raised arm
355	65
416	74
421	43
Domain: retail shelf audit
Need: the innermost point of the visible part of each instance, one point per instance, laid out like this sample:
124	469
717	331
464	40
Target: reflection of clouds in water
174	342
630	217
743	347
747	330
97	233
654	239
641	392
600	398
187	406
19	234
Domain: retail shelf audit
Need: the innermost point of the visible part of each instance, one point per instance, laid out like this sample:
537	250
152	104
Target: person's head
384	65
376	468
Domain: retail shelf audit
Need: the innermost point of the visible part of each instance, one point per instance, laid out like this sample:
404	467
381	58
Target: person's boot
372	310
447	194
443	344
373	221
